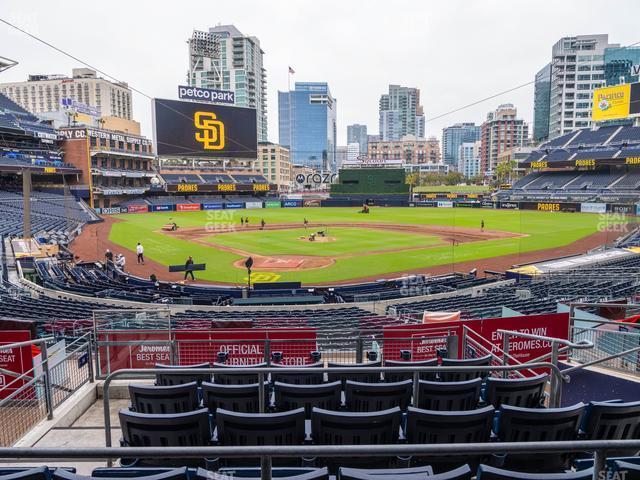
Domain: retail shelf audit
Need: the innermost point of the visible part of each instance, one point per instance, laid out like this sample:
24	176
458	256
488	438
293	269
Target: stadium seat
35	473
355	428
159	399
612	421
170	430
451	396
282	473
237	378
302	378
460	473
356	377
372	397
173	378
400	376
431	427
289	396
138	474
517	424
486	472
625	470
240	429
237	398
461	376
517	392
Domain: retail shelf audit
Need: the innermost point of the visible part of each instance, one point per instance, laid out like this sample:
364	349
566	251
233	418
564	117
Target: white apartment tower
577	68
223	58
50	93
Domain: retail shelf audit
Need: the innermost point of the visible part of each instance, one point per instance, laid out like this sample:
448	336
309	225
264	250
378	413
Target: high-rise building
353	151
469	158
410	149
307	125
83	92
400	113
357	133
617	65
453	137
541	104
223	58
577	68
501	131
274	163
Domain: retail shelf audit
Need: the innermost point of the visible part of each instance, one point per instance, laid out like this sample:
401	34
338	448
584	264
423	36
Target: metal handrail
261	372
267	452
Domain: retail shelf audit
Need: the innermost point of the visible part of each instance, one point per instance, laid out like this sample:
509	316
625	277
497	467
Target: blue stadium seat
419	473
486	472
160	399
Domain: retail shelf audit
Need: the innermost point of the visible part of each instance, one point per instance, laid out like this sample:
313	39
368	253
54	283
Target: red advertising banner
137	209
133	354
422	340
187	207
426	339
18	360
245	346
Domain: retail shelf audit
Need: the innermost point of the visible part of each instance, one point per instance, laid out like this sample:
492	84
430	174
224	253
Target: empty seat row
352	396
597	421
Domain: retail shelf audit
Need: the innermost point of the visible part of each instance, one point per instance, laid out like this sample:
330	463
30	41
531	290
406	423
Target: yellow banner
611	103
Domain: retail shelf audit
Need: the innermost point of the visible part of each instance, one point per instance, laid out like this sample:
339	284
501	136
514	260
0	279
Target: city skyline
151	56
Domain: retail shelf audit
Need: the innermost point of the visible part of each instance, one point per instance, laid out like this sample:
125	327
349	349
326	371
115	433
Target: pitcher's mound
317	239
287	262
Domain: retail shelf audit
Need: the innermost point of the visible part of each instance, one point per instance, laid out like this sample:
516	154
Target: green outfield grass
542	230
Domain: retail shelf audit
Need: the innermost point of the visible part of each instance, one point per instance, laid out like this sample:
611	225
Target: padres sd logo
211	133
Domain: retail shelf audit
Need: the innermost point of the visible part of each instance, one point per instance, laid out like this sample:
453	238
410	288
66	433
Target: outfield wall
444	202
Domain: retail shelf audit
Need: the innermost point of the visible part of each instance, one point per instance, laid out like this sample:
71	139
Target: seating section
212	178
371	414
53	217
542	295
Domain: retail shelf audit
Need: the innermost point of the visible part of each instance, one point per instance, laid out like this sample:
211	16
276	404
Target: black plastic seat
169	430
240	429
164	399
518	392
325	396
172	378
281	473
237	398
393	377
35	473
302	378
373	377
460	473
140	474
468	362
612	421
237	378
432	427
373	397
355	428
452	396
626	470
517	424
486	472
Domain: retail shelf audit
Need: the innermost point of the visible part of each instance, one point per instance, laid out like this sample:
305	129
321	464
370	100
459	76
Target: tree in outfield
504	170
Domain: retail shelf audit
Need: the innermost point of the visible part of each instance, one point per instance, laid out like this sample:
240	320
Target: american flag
291	71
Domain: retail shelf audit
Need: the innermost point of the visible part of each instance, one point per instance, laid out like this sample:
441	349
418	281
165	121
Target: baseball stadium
169	312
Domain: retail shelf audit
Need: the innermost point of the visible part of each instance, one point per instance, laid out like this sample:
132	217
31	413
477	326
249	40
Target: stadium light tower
204	45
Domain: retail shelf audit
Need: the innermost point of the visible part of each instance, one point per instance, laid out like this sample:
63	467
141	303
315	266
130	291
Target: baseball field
339	245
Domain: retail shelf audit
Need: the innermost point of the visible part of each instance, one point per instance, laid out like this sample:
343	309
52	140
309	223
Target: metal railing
33	395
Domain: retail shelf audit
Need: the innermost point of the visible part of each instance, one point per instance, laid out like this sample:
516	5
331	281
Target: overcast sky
455	51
